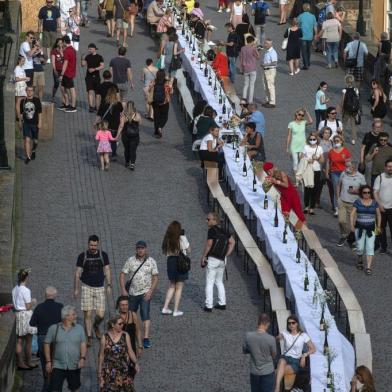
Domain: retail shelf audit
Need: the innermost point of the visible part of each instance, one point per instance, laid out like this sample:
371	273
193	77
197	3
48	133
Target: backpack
159	94
351	101
260	14
220	244
322	16
326	122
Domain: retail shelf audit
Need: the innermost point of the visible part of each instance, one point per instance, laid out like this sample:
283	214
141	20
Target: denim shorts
30	131
135	301
293	362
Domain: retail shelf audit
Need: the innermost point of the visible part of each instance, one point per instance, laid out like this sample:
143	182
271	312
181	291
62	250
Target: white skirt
20	89
23	323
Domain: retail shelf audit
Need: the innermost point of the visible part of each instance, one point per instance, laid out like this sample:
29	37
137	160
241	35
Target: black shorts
58	377
30	74
67	82
92	82
30	131
109	15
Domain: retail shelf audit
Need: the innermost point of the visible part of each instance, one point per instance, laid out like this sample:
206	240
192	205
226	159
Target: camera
182	232
34	42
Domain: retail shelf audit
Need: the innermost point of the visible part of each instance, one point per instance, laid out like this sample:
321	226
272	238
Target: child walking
104	136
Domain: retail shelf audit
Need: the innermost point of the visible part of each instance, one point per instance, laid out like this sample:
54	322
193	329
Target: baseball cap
92	45
141	244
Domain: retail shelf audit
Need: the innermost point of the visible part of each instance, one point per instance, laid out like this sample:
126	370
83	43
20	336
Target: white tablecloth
282	255
284	261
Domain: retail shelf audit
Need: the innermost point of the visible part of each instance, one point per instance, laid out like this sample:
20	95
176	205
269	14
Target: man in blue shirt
256	117
308	25
260	10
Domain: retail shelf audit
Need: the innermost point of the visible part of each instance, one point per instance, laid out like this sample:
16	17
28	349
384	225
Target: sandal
368	271
360	263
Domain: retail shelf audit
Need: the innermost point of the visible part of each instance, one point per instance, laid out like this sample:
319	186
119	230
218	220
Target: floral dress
115	367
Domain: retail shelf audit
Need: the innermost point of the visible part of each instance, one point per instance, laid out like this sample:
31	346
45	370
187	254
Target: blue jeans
138	300
332	52
232	68
335	179
262	383
306	48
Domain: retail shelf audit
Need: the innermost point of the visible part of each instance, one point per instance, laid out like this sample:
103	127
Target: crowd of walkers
359	192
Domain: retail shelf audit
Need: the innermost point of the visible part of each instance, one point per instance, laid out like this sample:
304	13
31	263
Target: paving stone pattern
66	198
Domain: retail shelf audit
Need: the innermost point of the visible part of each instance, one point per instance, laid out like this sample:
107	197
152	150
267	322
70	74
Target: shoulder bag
352	63
129	282
286	40
126	13
183	263
176	62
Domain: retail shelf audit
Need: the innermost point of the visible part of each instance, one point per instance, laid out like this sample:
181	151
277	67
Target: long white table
281	255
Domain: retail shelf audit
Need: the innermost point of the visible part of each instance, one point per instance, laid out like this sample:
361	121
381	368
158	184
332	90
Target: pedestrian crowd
359	192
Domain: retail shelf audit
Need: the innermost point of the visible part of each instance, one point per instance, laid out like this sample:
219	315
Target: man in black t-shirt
92	268
219	246
231	50
49	25
94	63
103	89
30	122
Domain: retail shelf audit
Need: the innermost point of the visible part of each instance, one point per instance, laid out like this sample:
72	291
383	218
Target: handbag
285	41
183	263
352	63
161	62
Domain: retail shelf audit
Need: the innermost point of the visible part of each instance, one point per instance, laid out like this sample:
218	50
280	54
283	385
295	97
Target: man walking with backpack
219	246
350	107
92	268
260	10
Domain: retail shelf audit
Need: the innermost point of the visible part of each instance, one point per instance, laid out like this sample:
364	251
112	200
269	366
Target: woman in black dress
173	243
131	324
378	100
383	55
294	35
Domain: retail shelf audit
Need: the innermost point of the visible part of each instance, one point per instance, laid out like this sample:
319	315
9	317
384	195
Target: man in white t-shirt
65	6
27	50
332	122
383	195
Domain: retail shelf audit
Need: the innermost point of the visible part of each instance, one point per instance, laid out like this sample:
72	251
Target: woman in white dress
20	83
173	243
23	304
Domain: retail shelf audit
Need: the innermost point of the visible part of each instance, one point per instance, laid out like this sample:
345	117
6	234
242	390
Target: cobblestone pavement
65	198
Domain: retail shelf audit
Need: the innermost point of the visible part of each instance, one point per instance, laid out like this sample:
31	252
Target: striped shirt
366	215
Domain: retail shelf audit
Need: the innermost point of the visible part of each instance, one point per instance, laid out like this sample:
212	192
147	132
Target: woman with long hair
294	339
110	110
362	380
162	91
148	76
242	29
132	325
57	60
115	358
171	49
320	107
173	243
331	31
378	100
23	304
133	11
237	10
129	131
313	153
365	219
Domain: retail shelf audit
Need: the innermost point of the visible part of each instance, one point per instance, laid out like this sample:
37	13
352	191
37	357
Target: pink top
104	136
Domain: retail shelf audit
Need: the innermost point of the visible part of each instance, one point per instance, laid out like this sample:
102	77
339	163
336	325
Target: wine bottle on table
276	220
209	78
322	319
254	182
306	282
183	28
224	106
265	202
220	97
244	169
206	70
326	347
237	156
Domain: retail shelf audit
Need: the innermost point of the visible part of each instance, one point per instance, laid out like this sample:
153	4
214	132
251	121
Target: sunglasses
333	113
292	322
121	323
312	140
366	193
300	114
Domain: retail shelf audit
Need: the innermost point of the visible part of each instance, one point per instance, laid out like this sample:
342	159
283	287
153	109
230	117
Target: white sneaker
48	61
353	141
297	71
211	43
220	11
291	73
228	10
166	311
336	212
178	313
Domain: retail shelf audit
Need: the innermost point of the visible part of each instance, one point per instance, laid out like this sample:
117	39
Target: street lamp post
361	24
5	54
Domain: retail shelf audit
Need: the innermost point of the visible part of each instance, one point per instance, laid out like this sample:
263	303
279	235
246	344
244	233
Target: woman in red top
221	64
57	60
289	198
336	164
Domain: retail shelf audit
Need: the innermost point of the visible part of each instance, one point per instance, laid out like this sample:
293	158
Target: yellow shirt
190	4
